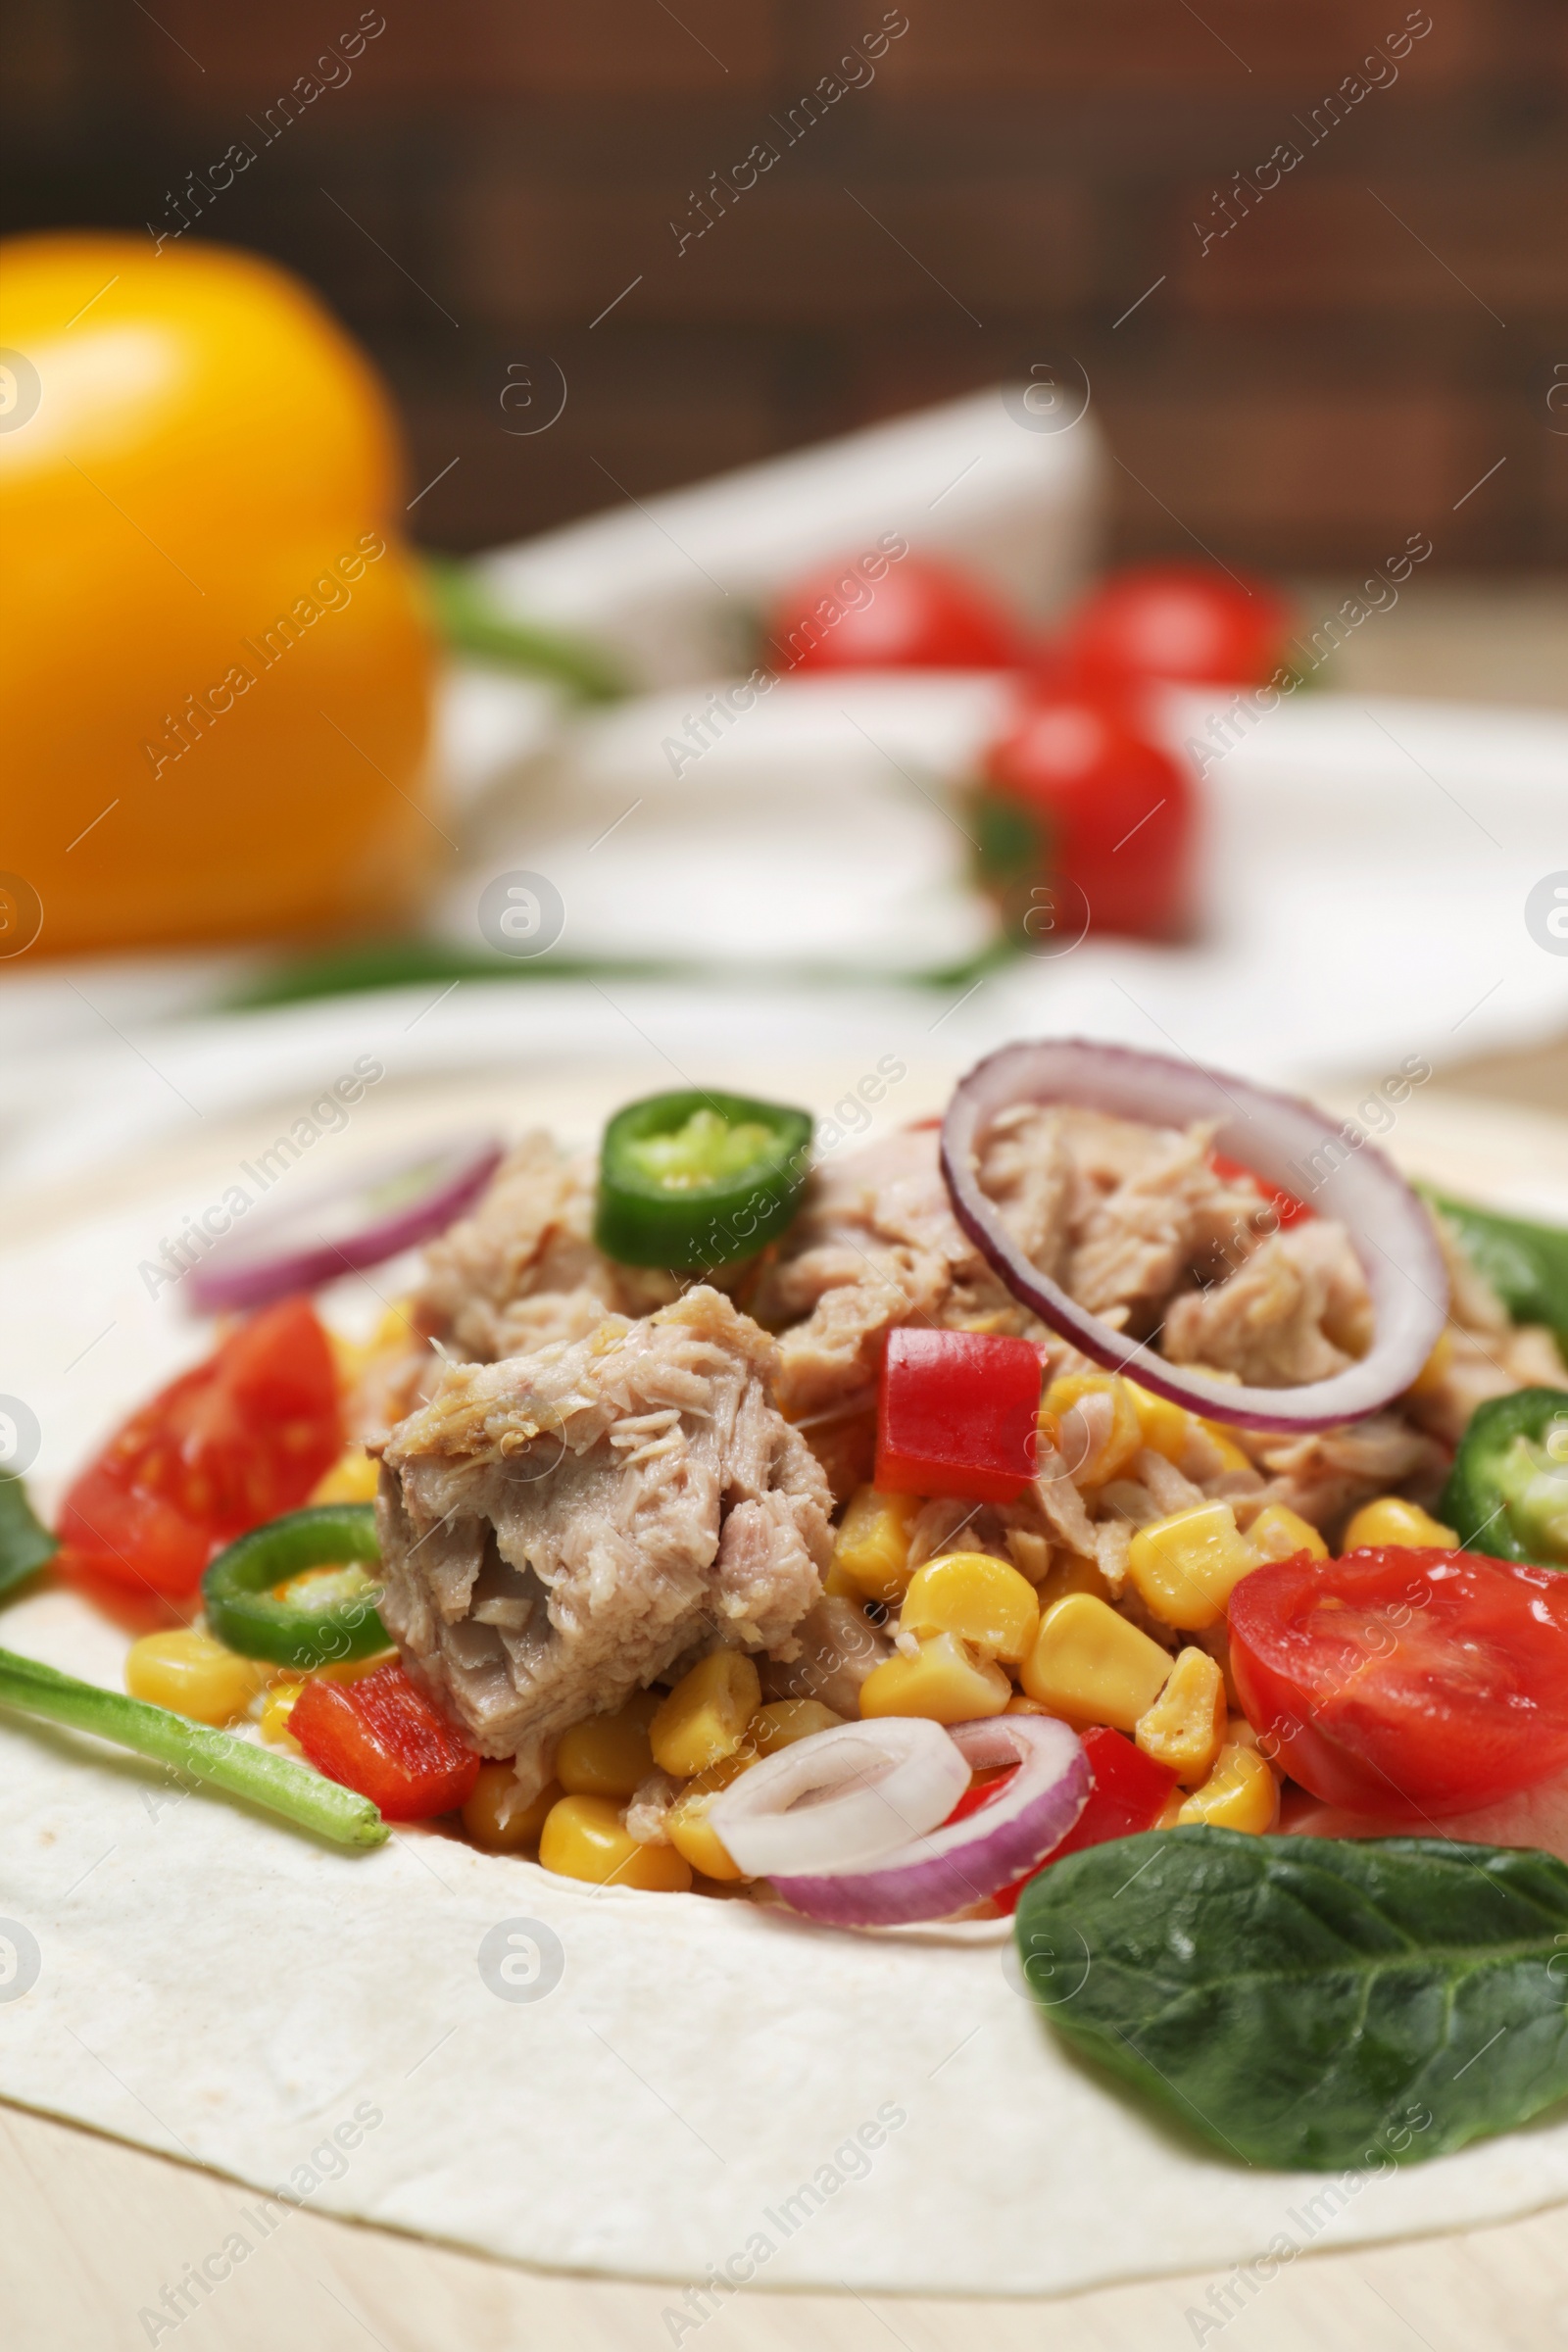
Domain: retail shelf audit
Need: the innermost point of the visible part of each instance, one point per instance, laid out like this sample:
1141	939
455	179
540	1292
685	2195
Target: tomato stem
235	1765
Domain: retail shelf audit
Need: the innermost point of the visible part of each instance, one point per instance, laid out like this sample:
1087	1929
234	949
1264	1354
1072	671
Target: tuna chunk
876	1244
1483	1353
522	1271
558	1529
1297	1310
1326	1475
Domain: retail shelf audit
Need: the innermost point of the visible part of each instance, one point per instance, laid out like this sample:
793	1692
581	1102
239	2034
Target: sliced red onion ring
842	1797
932	1876
1389	1228
338	1229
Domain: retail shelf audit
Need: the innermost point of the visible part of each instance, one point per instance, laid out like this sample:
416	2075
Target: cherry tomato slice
1403	1681
382	1737
918	615
231	1443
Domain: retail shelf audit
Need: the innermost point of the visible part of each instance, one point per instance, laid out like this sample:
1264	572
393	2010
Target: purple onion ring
1389	1228
965	1862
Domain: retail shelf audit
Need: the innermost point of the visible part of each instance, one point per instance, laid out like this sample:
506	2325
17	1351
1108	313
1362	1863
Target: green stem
284	1787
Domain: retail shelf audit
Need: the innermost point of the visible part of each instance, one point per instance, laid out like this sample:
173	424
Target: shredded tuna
1297	1310
649	1810
558	1528
1324	1477
836	1647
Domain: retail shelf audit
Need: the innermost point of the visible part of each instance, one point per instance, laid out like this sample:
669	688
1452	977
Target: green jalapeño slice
693	1180
297	1591
1508	1490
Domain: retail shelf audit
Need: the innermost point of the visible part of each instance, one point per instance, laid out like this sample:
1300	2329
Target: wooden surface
93	2233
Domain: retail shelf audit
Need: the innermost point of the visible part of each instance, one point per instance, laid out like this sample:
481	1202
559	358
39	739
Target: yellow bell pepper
215	699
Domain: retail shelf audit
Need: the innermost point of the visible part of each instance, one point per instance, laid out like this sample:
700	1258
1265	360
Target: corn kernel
1185	1728
353	1478
1165	1427
1231	1454
1126	1436
585	1838
977	1598
276	1709
494	1821
1183	1567
1435	1371
1392	1520
1278	1533
609	1755
686	1824
1070	1572
948	1680
706	1714
1089	1665
873	1543
783	1721
839	1586
1240	1793
194	1675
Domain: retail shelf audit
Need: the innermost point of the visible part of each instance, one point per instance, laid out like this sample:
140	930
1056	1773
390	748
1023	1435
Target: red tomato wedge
383	1737
958	1414
1409	1684
918	615
1287	1207
1130	1792
238	1440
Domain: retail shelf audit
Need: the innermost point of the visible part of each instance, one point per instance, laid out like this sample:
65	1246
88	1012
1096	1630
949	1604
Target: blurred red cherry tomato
1188	623
918	615
1076	796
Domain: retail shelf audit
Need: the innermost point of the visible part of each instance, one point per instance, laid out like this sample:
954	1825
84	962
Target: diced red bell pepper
1130	1792
1286	1205
382	1737
957	1415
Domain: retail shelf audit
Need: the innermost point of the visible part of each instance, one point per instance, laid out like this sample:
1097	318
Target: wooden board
98	2237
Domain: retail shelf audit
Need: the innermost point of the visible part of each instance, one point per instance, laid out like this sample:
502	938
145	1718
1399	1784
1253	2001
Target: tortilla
464	2046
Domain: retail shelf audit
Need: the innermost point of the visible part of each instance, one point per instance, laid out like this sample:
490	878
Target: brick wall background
1371	335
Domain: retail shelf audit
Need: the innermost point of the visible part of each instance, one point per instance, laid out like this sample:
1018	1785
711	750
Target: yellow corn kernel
1126	1429
1183	1567
948	1680
686	1824
979	1598
1278	1533
609	1755
873	1543
276	1709
194	1675
492	1819
840	1587
353	1478
1185	1728
1392	1520
1231	1454
1435	1371
1089	1665
1070	1572
1240	1793
585	1838
349	1357
707	1713
1166	1427
783	1721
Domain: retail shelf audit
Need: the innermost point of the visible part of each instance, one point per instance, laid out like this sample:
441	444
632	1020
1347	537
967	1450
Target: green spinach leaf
1292	1998
24	1545
1526	1264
